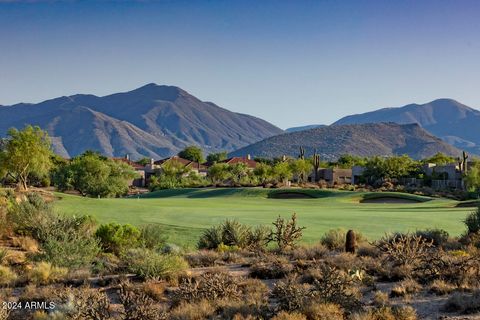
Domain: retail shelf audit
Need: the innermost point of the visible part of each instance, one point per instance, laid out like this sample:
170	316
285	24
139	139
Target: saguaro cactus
350	242
316	163
465	158
302	153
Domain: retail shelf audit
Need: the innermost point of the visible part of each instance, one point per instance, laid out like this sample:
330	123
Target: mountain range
158	121
383	139
151	121
453	122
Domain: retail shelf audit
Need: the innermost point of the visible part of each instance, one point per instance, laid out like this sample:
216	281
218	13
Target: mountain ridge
446	118
152	120
382	139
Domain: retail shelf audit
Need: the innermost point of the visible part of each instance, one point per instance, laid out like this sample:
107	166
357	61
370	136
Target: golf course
184	213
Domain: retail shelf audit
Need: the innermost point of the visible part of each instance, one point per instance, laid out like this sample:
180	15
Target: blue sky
289	62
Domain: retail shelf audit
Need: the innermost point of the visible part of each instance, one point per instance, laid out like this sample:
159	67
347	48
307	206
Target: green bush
117	238
211	238
234	233
473	221
32	217
151	265
152	237
70	249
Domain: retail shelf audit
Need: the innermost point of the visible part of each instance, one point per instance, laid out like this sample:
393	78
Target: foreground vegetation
72	267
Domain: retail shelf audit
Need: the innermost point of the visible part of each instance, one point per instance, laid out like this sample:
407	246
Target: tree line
26	159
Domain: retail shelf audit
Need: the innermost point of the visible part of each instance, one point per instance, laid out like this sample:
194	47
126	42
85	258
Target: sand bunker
290	195
387	200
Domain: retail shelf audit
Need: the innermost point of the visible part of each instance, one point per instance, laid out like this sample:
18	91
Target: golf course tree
263	172
347	161
301	168
173	174
390	169
238	172
439	159
282	172
26	153
472	178
217	157
94	175
192	153
219	173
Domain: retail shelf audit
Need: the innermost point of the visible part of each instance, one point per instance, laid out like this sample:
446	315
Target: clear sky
289	62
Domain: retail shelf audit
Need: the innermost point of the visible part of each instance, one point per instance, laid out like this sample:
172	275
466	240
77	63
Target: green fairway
185	212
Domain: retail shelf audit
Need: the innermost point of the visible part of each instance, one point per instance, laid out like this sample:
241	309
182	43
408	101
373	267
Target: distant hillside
302	128
153	121
447	119
383	139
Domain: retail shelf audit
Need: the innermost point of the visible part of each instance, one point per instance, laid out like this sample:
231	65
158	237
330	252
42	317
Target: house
251	164
446	176
140	181
155	167
333	176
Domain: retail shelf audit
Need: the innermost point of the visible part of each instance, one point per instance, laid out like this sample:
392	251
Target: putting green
186	212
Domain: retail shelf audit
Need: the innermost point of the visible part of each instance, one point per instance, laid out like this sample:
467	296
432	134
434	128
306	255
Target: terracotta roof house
139	169
252	164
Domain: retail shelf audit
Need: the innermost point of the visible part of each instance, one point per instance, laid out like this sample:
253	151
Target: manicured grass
186	212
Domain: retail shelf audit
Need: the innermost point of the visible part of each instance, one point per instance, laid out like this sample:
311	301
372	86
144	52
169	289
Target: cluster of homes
449	176
150	169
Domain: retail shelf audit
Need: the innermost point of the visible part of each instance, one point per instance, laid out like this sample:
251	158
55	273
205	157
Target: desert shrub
367	250
271	267
438	237
69	249
152	237
472	221
254	292
334	239
7	276
323	311
203	258
238	309
199	310
209	286
234	233
137	305
155	289
3	256
117	238
285	233
258	237
404	249
405	288
4	313
149	264
380	299
84	303
289	316
313	252
456	267
333	286
26	243
44	273
387	313
344	261
105	263
290	294
441	287
211	238
463	303
32	217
